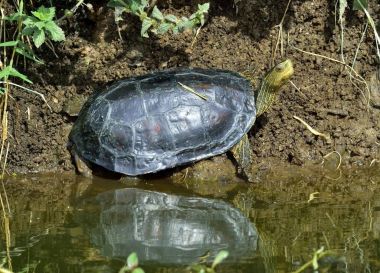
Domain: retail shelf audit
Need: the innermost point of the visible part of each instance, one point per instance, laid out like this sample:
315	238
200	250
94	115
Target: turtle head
271	84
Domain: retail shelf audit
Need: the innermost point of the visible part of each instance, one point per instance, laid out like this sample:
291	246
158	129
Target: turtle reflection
169	229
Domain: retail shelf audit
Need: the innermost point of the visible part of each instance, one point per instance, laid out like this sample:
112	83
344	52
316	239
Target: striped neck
271	84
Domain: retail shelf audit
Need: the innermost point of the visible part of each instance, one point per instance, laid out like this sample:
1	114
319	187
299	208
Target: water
64	223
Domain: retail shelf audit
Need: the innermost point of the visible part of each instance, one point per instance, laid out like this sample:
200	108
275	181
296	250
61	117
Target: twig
2	179
195	37
313	196
188	88
73	10
340	158
358	47
280	35
373	161
298	89
313	131
342	8
31	91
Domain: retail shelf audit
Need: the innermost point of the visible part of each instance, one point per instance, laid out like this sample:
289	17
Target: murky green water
63	223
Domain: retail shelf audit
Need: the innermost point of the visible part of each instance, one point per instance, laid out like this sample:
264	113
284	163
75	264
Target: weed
201	268
330	259
40	27
156	22
132	265
41	24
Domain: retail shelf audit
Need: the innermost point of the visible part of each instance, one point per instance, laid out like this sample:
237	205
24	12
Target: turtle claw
243	156
82	166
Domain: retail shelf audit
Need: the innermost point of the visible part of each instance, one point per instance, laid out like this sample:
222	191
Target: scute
116	138
185	125
152	137
150	123
129	108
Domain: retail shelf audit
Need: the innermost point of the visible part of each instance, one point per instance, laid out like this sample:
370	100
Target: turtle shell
157	121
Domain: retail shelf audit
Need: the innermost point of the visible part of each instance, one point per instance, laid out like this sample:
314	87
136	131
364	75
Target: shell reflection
169	229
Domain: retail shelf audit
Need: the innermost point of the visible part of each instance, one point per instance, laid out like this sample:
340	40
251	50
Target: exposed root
329	154
313	131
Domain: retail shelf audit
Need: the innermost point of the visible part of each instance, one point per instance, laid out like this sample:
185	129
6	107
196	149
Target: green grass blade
360	4
29	55
9	43
10	71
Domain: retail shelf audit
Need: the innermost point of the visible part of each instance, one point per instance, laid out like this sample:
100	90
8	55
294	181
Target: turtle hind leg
243	156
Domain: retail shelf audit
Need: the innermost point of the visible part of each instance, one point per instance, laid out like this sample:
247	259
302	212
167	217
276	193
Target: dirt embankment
238	38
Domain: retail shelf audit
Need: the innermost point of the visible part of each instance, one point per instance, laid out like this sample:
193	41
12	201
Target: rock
374	85
73	105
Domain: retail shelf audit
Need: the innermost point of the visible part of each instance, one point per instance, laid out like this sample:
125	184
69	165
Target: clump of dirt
237	37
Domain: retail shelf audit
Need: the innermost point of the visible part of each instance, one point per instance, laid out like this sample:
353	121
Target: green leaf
40	25
193	16
118	14
10	71
360	4
132	260
219	258
146	24
171	18
143	4
202	20
38	37
15	17
55	31
28	31
9	43
185	24
156	13
175	30
138	270
30	21
4	73
117	4
137	6
204	7
44	14
163	28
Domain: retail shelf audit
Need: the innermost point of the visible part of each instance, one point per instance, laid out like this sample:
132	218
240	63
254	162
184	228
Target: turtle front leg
82	166
243	155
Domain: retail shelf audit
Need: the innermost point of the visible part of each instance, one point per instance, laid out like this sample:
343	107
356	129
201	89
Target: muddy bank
238	38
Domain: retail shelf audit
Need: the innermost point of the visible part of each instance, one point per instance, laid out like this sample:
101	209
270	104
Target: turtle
149	123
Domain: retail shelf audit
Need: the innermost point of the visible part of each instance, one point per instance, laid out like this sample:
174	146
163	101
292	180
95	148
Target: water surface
64	223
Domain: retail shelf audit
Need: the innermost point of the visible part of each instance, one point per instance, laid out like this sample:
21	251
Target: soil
237	36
